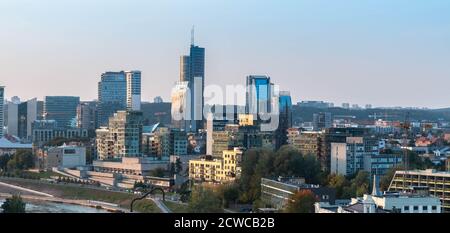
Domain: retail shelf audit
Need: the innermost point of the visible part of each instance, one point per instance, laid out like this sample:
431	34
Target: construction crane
405	126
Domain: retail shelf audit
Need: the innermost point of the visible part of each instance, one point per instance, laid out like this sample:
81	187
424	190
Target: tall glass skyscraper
133	90
2	100
259	94
118	91
192	70
62	109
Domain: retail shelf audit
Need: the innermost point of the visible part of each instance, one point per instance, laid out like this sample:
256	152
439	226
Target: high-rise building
285	118
133	90
259	95
180	110
2	100
118	91
62	109
20	118
112	95
123	136
185	67
192	70
87	115
322	120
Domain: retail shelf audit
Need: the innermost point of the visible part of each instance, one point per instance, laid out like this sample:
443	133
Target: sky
379	52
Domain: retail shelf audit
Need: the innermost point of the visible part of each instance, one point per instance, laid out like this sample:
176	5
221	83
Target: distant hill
306	113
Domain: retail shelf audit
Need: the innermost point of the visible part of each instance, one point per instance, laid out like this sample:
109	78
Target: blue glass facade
62	109
112	95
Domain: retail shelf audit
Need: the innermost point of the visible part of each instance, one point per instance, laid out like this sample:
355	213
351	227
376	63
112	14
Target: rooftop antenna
192	35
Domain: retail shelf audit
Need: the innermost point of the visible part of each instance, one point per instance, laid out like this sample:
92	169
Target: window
425	208
434	207
406	208
416	208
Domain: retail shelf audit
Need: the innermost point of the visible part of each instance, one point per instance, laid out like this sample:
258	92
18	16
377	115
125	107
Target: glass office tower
62	109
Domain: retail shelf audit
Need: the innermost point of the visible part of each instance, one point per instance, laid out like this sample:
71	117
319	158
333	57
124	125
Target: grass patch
177	207
84	193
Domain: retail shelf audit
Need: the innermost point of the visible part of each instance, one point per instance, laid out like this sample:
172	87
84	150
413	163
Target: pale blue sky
382	52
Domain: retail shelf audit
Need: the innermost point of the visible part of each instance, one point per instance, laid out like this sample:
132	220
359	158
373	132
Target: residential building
348	158
133	90
217	170
178	140
62	109
307	142
437	182
123	136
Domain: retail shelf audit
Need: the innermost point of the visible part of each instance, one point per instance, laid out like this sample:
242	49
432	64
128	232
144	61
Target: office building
112	95
122	137
62	109
278	193
192	71
437	182
44	131
180	109
259	95
65	156
133	90
158	100
322	121
2	101
20	118
87	115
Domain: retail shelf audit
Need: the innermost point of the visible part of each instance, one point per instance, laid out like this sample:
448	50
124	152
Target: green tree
302	202
339	183
4	161
229	193
385	180
14	204
21	160
204	200
158	172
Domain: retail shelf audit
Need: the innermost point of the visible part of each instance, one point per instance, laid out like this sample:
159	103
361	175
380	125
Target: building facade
133	90
62	109
20	118
122	137
437	182
2	101
112	95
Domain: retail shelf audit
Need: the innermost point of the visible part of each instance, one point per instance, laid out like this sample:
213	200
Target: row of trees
21	160
287	162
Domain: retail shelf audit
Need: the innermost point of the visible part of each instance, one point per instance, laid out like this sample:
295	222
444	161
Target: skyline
331	56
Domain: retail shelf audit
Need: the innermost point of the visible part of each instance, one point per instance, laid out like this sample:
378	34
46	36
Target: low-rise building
278	193
62	157
216	170
437	182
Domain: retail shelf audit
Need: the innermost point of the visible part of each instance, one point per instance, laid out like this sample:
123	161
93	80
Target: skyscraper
285	119
87	115
20	117
112	95
118	91
259	94
133	90
192	70
2	99
62	109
